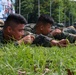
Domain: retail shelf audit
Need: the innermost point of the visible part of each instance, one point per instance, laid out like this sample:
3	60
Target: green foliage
27	6
61	10
34	60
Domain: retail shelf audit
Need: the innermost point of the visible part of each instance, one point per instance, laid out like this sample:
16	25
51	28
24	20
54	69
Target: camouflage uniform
63	35
67	33
4	42
1	36
69	30
40	39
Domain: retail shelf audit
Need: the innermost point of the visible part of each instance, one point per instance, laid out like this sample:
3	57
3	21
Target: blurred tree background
63	11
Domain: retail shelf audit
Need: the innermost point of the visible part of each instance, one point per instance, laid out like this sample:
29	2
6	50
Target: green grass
34	60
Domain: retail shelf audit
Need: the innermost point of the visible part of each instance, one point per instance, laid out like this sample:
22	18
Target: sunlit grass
34	60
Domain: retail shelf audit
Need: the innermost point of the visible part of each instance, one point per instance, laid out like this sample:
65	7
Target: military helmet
75	24
1	23
60	24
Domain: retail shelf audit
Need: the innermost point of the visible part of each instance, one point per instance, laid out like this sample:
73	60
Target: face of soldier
46	29
17	32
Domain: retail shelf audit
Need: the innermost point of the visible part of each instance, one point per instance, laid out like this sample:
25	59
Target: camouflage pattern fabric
65	35
40	40
1	39
29	27
69	30
3	42
1	36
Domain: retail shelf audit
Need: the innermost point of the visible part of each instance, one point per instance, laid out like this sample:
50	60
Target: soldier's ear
9	29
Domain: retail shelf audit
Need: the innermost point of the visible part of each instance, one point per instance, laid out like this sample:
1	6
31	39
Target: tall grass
34	60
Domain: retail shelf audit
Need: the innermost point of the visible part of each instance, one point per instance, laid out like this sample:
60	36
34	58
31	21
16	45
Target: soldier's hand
63	43
27	39
56	32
